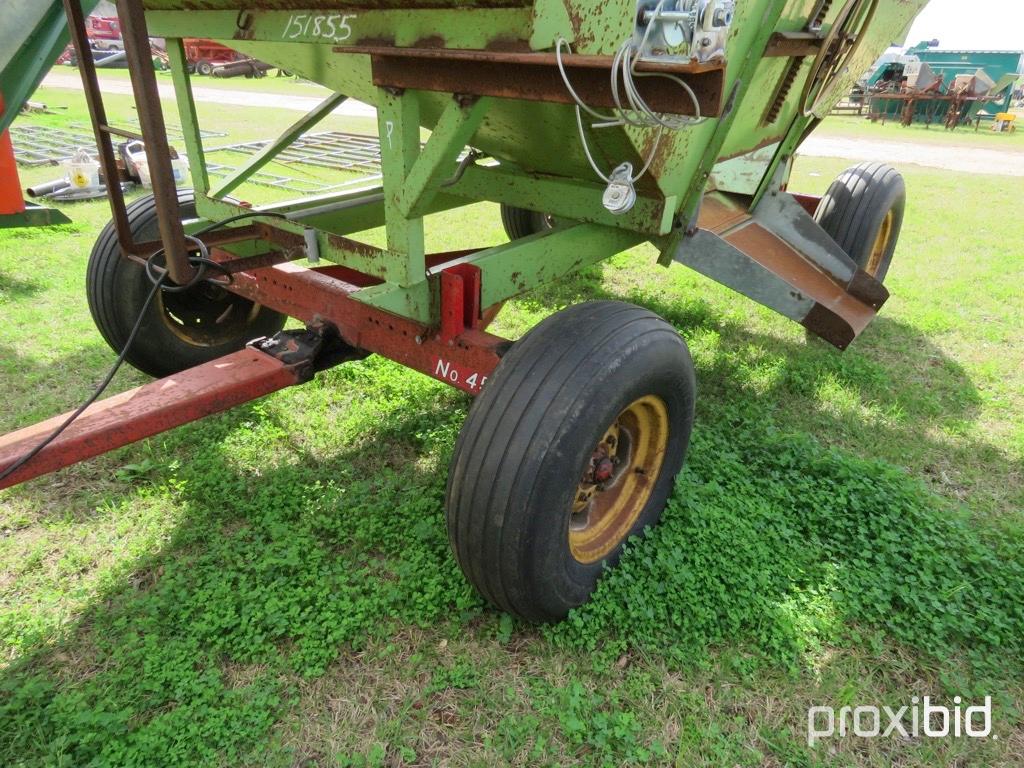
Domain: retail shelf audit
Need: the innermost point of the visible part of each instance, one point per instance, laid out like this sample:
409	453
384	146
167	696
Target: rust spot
535	77
355	247
381	42
574	18
505	44
433	41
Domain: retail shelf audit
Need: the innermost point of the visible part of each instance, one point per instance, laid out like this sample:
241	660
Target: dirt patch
952	158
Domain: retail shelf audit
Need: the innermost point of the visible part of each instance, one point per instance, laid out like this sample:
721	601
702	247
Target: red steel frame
146	411
460	353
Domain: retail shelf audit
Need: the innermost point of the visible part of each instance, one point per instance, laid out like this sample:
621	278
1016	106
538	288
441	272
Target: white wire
568	85
636	112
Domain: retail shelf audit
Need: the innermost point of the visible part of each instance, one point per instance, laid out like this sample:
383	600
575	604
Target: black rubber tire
203	67
519	222
531	432
117	288
855	207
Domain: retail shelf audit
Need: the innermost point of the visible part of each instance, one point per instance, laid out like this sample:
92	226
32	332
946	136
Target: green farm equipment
597	125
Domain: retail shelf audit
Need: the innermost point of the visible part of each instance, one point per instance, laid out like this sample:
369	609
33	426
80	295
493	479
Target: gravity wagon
597	125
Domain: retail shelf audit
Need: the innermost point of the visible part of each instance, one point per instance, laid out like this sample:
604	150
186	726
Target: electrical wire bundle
633	110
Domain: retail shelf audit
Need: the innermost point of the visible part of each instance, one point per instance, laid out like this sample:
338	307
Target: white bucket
82	171
137	154
179	167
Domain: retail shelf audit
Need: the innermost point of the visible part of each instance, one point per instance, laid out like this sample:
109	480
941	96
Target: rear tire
179	330
519	222
572	447
863	212
203	67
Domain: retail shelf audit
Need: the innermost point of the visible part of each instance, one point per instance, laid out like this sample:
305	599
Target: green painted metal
578	199
399	125
456	125
32	36
33	216
1001	66
535	157
189	118
950	63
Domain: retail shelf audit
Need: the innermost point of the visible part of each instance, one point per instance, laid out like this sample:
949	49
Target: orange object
11	200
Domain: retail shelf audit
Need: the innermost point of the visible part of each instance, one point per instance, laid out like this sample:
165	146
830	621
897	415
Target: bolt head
603	470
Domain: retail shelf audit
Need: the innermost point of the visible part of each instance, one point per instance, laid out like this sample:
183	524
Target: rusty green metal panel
33	216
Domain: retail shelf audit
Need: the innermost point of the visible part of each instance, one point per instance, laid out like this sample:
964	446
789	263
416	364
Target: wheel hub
881	245
618	479
206	315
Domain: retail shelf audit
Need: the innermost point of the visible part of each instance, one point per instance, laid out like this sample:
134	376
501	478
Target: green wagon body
739	150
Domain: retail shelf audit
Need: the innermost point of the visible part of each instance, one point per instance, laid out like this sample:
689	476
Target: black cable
203	262
96	393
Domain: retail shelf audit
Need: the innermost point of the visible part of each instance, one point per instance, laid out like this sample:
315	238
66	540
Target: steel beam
766	261
455	127
563	198
98	116
534	76
398	122
324	295
151	119
189	117
145	411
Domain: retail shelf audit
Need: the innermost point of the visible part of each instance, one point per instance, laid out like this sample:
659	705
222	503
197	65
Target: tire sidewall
157	349
546	558
895	201
854	209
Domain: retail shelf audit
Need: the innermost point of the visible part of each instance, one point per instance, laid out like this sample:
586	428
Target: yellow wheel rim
881	245
618	479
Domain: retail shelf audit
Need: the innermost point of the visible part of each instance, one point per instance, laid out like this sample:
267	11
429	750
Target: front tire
572	448
179	330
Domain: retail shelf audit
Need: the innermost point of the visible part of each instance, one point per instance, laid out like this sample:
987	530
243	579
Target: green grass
862	128
273	586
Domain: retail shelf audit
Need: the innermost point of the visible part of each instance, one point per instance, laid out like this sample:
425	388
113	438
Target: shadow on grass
894	395
770	542
15	288
276	573
37	385
893	366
